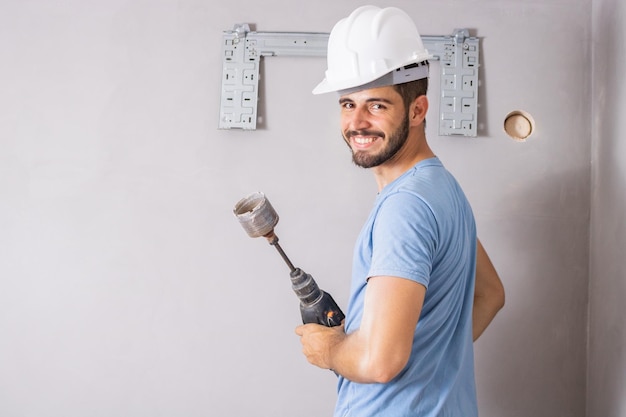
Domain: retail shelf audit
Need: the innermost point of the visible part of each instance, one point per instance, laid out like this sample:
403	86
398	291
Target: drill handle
325	311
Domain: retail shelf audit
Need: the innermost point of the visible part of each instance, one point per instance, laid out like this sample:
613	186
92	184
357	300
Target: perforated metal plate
242	49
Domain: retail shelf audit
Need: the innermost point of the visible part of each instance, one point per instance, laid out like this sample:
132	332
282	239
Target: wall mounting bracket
242	50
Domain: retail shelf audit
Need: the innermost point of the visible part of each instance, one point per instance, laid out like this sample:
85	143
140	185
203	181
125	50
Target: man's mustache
363	132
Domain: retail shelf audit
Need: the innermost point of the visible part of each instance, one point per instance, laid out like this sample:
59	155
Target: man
423	288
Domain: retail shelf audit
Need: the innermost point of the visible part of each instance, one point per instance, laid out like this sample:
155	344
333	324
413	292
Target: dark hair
413	89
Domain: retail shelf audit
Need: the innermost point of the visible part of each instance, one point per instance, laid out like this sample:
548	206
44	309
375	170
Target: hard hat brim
399	75
323	87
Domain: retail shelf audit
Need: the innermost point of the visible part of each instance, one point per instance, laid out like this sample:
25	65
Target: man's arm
488	293
381	347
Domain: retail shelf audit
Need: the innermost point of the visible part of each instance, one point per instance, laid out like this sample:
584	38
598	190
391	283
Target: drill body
316	305
258	218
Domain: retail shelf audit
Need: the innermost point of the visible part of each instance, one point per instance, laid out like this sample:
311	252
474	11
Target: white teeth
363	141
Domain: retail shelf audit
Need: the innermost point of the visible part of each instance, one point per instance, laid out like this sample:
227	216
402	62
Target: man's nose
358	119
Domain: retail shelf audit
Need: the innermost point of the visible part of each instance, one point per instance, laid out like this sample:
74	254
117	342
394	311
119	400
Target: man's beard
395	142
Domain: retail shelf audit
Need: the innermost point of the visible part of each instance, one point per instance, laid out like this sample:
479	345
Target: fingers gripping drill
257	216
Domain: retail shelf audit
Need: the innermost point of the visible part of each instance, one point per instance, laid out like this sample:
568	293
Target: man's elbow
499	297
492	295
385	369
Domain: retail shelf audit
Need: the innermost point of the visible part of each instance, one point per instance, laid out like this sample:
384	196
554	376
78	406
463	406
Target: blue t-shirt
421	228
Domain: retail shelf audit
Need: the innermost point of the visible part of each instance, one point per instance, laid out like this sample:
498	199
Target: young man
423	288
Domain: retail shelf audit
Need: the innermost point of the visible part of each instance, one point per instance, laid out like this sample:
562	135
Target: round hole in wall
519	125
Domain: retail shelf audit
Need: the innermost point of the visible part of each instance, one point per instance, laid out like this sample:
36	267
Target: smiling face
375	125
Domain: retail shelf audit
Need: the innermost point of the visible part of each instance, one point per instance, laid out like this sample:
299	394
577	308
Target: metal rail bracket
242	50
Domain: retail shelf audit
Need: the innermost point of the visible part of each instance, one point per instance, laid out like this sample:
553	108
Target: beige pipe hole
519	125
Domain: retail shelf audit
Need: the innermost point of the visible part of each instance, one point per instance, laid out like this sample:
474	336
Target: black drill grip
316	305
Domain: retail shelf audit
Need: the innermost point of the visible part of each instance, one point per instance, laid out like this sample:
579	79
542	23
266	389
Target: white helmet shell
369	44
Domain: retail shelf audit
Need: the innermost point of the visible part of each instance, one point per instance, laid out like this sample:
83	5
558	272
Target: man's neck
415	149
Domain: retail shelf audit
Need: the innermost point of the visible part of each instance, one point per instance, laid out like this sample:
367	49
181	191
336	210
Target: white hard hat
372	43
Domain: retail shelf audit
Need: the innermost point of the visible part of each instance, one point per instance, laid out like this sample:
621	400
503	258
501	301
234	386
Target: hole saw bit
258	218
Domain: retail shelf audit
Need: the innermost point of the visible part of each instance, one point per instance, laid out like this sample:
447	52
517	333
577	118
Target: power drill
258	218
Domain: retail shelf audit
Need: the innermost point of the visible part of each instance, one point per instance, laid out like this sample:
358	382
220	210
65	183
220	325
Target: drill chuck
305	287
316	305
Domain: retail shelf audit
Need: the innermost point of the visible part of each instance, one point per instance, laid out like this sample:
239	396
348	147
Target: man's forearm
349	359
331	348
488	293
485	309
346	355
380	348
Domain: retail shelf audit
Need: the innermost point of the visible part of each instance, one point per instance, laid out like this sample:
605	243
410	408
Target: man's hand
318	341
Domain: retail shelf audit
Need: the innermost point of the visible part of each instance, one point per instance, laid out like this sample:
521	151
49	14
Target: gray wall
127	288
607	289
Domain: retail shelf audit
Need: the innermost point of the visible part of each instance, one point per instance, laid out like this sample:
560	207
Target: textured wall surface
607	288
127	288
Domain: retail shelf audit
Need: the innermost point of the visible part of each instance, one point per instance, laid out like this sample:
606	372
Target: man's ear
418	110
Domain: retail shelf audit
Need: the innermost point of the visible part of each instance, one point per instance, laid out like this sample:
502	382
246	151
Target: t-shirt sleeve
404	238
